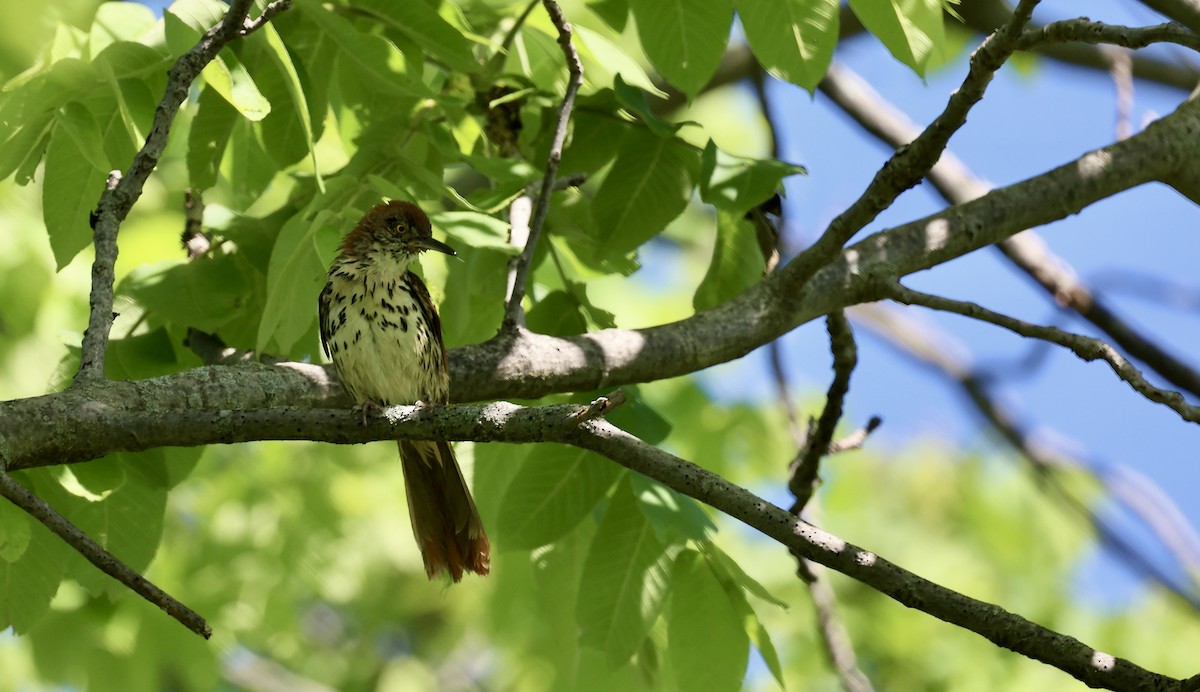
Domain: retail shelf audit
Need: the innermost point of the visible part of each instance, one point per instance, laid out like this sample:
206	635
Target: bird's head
395	228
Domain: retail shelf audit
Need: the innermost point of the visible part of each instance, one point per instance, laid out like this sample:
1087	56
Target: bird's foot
366	407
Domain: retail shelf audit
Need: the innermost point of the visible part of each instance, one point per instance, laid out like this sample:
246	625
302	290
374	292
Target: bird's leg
366	407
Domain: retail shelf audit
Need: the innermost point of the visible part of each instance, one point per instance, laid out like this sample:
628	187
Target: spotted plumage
387	349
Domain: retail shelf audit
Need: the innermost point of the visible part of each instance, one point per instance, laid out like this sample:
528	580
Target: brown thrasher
383	333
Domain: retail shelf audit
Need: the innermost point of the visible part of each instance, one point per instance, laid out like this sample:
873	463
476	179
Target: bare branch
803	481
514	314
1085	347
105	561
1087	31
123	191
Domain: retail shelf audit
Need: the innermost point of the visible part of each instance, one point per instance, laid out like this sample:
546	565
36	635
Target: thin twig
805	468
514	315
194	239
1027	251
512	31
1085	347
20	496
122	192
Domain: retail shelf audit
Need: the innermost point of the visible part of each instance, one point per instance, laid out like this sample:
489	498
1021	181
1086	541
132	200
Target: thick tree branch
123	191
105	561
135	428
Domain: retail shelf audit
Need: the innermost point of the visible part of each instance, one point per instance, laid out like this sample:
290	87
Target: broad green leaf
553	491
648	186
144	355
421	23
230	79
736	583
737	263
738	184
295	278
373	60
614	12
684	39
474	296
536	55
203	294
603	61
15	530
125	59
250	170
594	141
556	314
474	230
118	21
128	522
634	101
708	646
74	178
31	580
210	133
911	29
300	108
675	517
624	580
792	39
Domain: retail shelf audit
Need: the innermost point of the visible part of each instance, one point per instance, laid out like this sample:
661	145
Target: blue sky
1026	124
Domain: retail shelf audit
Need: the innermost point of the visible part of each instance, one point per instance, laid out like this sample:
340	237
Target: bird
383	333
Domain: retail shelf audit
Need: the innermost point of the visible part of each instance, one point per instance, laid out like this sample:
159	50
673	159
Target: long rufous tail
444	519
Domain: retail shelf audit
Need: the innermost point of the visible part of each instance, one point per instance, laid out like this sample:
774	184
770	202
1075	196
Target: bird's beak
436	245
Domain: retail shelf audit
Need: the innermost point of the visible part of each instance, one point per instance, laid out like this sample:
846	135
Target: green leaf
555	488
126	59
556	314
230	79
738	184
675	517
210	133
372	60
737	263
128	522
31	580
118	21
287	133
74	178
648	186
614	12
684	39
913	30
736	583
624	580
15	530
203	294
634	101
604	61
792	39
250	169
145	355
421	23
708	647
295	277
475	230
